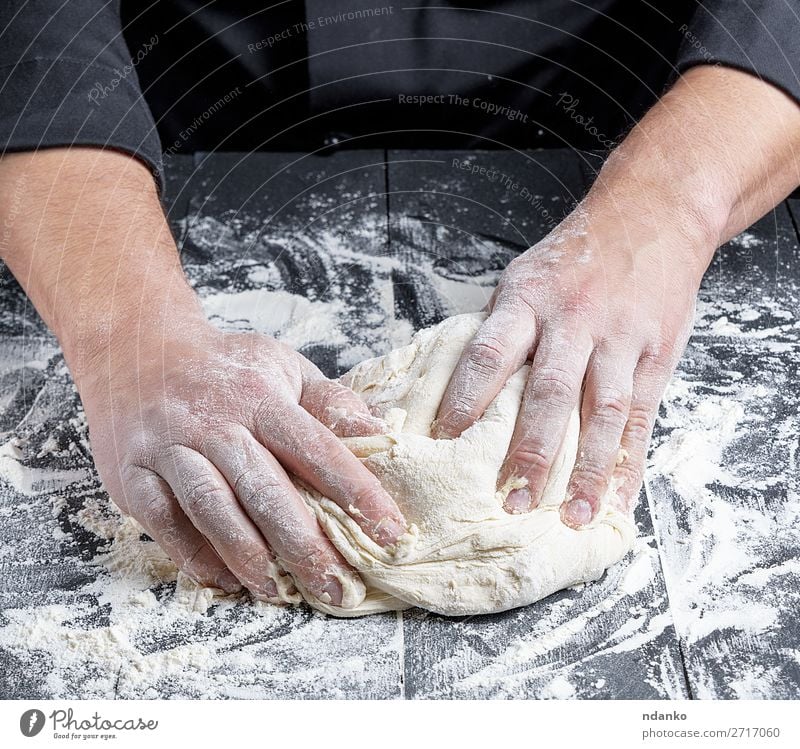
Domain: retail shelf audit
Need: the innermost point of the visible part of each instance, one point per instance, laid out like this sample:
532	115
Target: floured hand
603	311
194	434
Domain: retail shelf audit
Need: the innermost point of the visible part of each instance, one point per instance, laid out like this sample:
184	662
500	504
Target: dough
465	555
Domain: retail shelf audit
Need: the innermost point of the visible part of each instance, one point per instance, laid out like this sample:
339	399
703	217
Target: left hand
603	308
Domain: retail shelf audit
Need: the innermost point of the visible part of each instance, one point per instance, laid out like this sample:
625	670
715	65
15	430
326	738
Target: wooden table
386	242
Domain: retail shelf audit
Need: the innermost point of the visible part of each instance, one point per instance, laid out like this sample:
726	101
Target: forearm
718	151
85	235
193	431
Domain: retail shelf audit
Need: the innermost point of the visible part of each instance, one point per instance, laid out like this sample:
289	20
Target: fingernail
440	430
577	513
389	531
228	582
518	501
332	592
375	423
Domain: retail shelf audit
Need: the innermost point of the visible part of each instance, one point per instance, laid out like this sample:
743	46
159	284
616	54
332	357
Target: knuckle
156	514
487	356
205	496
632	474
256	571
531	459
252	381
664	348
254	488
515	298
270	408
256	563
259	495
371	500
526	304
318	395
556	385
590	474
611	404
143	445
335	459
631	477
190	560
151	507
312	562
639	426
333	394
130	472
457	416
655	356
580	304
209	441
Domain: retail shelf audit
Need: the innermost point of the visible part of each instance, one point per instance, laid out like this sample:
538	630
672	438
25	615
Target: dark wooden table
355	250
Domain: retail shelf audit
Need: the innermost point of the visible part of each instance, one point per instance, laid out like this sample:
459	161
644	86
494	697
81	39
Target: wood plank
300	228
454	229
310	229
457	219
723	480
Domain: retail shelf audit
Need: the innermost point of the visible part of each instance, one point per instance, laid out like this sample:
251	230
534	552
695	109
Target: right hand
195	434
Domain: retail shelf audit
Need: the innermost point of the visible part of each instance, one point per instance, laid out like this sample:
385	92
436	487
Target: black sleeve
761	37
67	78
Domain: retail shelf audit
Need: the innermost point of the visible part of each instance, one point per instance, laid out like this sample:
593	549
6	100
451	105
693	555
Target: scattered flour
723	486
295	320
722	482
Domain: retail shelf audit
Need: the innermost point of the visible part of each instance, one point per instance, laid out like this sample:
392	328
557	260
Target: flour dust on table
91	608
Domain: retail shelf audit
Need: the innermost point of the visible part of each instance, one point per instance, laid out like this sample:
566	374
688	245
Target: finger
312	452
649	381
338	407
160	515
551	395
499	348
209	503
604	413
489	306
273	503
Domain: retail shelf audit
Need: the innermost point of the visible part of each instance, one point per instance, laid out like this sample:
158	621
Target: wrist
639	211
133	329
89	243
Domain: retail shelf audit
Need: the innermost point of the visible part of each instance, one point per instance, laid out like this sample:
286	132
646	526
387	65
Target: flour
723	483
294	319
135	648
116	620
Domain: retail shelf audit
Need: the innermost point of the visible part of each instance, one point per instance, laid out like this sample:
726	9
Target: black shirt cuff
63	102
761	37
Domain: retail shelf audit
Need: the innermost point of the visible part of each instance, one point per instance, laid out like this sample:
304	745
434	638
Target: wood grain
417	236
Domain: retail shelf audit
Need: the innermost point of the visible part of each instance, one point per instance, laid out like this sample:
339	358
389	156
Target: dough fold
466	555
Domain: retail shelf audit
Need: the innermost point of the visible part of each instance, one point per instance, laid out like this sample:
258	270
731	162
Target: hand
603	309
195	433
603	305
